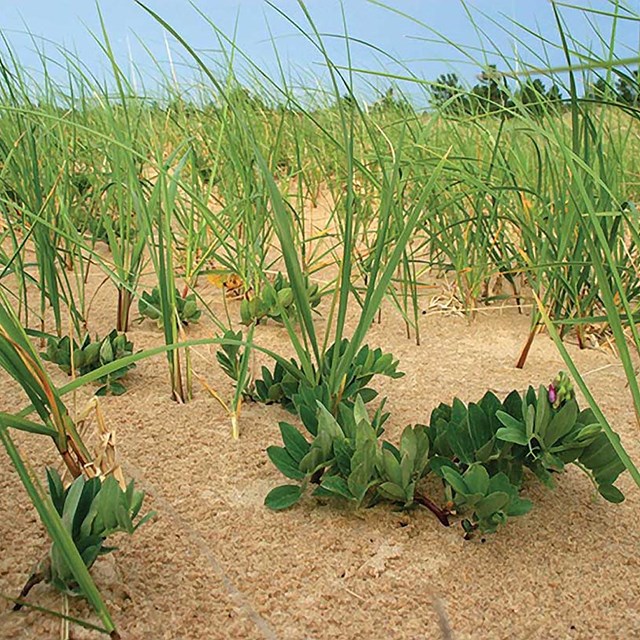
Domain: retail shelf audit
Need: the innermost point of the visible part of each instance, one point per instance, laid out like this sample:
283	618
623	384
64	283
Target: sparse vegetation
520	191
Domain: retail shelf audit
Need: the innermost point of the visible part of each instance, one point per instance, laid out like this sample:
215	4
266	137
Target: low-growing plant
290	387
21	361
150	306
491	498
230	355
480	452
542	432
89	356
275	300
347	459
91	511
234	361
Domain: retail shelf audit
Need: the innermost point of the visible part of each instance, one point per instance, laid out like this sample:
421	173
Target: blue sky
258	29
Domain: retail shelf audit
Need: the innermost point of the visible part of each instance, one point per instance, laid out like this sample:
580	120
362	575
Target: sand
215	563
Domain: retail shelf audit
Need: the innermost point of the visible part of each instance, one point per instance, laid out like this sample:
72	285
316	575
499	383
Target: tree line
493	94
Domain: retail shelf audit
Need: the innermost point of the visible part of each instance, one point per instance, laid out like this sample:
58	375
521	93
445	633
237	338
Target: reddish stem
34	579
441	514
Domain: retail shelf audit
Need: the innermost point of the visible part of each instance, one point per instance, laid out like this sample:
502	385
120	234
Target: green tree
627	88
532	97
447	93
389	102
491	94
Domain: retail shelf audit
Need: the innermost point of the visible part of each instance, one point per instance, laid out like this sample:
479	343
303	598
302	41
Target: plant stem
441	514
124	305
35	578
525	351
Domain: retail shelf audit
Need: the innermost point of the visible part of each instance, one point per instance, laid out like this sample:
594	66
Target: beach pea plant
275	300
288	385
479	451
492	499
91	355
150	306
91	510
52	419
347	459
541	432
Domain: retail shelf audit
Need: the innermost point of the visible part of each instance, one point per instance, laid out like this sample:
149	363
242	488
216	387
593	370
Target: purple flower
553	395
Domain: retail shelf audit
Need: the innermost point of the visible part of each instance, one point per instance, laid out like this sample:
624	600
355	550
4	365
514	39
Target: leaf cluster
91	511
480	451
230	356
277	300
347	459
150	306
290	387
483	448
91	355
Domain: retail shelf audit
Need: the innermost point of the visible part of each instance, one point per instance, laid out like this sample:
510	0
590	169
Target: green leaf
71	503
320	492
509	434
501	482
484	453
116	388
391	491
391	448
479	427
360	411
56	490
392	467
406	467
530	420
283	497
409	444
327	423
509	421
284	462
455	479
600	452
246	317
106	351
314	460
338	486
367	394
343	453
285	297
608	473
437	462
589	432
519	507
611	493
492	504
294	442
477	479
562	423
543	411
360	479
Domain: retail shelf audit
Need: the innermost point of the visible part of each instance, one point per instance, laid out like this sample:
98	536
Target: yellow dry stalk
232	412
213	393
527	205
105	461
68	437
